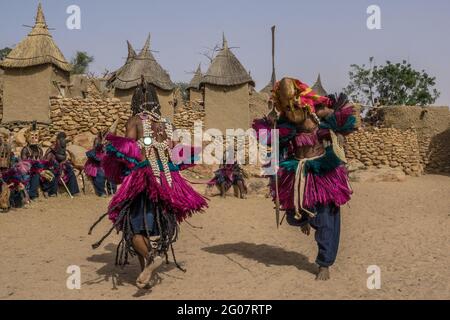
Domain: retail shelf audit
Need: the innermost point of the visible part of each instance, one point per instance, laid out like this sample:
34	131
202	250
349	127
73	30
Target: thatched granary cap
318	87
131	55
195	82
36	49
129	75
267	89
226	70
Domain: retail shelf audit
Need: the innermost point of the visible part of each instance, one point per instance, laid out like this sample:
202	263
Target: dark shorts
142	216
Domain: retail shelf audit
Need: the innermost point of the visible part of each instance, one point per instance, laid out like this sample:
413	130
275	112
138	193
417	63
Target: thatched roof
129	75
267	89
131	55
195	82
226	70
318	87
36	49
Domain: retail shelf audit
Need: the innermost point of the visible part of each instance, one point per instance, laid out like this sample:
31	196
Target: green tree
80	63
4	52
391	84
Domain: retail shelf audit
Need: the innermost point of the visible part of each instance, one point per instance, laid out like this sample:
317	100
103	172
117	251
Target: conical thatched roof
131	55
226	70
129	75
267	89
318	87
36	49
195	82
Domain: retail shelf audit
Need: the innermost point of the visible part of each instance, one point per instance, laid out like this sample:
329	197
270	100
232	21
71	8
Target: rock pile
378	147
186	115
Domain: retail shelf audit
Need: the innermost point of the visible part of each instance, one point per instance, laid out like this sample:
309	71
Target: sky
321	36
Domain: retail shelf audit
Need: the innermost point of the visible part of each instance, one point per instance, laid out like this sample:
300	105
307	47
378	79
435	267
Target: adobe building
34	71
226	87
194	91
127	78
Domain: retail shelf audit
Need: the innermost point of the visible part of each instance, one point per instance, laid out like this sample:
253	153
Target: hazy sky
312	36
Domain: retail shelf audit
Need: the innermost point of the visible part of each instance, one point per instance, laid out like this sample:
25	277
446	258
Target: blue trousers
33	186
50	187
142	216
100	183
72	183
327	226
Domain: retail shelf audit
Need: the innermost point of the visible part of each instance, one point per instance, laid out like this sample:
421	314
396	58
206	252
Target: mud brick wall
187	114
432	125
391	147
78	115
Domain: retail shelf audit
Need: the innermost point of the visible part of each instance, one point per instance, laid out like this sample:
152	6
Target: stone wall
187	114
431	124
378	147
75	116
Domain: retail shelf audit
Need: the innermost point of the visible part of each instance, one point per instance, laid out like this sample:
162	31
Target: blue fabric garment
101	184
72	183
17	199
33	186
142	207
50	187
327	226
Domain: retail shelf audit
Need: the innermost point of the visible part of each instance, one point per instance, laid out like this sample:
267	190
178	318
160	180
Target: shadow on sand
119	276
266	254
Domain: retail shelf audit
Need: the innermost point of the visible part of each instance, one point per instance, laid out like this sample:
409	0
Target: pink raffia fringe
114	166
90	168
306	139
343	114
330	188
180	199
226	172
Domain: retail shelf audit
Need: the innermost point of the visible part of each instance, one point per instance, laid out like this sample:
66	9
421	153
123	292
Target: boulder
20	139
355	165
382	174
79	154
85	140
257	186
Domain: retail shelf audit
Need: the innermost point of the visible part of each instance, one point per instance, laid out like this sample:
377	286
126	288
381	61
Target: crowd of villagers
35	172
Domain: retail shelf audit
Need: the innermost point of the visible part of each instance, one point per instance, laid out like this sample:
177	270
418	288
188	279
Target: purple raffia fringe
306	139
330	188
114	166
343	114
180	199
90	168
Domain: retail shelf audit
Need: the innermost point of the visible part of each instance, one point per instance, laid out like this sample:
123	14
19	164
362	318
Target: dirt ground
239	254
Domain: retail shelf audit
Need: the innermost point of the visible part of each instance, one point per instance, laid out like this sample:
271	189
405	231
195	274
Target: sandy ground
239	254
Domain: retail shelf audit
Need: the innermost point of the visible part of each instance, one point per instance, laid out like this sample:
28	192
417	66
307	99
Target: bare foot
145	276
306	229
323	274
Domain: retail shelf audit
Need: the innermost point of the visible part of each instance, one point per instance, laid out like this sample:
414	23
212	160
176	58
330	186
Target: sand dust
239	254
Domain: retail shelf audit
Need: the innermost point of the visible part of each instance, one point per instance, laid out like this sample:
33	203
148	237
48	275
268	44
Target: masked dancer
312	180
93	168
61	165
153	197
